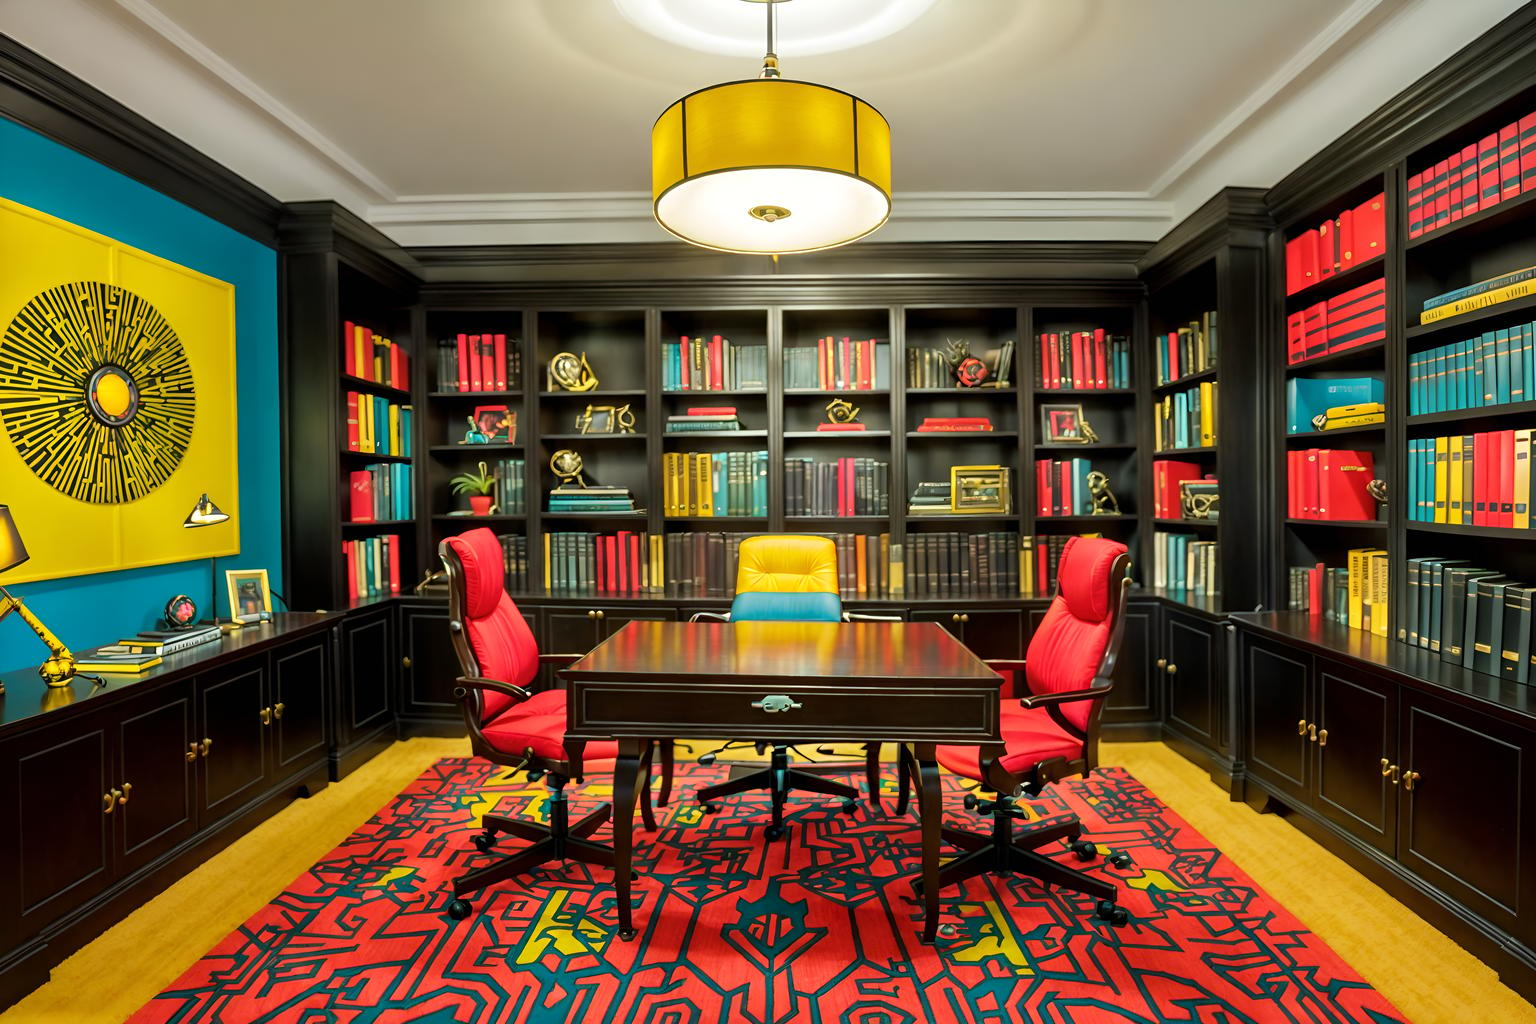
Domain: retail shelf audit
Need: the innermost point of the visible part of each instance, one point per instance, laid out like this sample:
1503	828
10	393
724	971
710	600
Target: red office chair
1051	733
508	725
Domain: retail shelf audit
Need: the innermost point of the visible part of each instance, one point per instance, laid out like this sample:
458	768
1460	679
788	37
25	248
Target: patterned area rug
818	927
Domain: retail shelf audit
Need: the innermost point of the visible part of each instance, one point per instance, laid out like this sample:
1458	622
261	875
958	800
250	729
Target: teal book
1309	397
1501	366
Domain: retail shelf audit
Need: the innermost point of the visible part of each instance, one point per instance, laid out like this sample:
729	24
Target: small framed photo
1062	424
250	596
976	489
497	423
1200	499
596	419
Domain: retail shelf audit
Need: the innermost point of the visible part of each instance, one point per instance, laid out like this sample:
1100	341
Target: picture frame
250	594
1064	424
497	423
975	490
1200	499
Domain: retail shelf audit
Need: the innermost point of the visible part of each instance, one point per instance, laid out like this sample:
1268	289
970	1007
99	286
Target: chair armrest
465	683
561	660
711	616
1041	700
861	617
1003	664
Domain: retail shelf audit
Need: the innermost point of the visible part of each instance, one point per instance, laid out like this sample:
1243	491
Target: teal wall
89	610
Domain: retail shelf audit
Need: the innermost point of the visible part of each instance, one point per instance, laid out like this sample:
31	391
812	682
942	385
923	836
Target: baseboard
443	727
1130	732
1222	770
348	759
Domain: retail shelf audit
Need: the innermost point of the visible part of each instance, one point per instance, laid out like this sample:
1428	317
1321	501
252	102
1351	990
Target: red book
1488	171
500	362
1295	338
1470	201
1042	352
1294	463
682	363
1370	228
1308	250
1056	367
1527	152
1505	476
1346	229
1342	476
1415	204
349	558
867	371
348	349
1309	484
487	363
1327	251
637	570
1480	460
845	371
1293	279
1357	317
1315	330
1043	488
362	496
1509	161
1100	358
463	362
1453	187
394	565
717	362
618	551
1167	474
821	363
353	442
1173	356
1315	589
397	371
710	410
1440	195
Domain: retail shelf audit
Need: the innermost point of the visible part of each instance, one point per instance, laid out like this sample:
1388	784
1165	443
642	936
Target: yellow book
666	484
395	447
1207	413
1380	590
658	575
365	423
359	356
1361	420
1442	475
703	485
1454	497
1356	566
546	564
1518	290
1359	409
1522	479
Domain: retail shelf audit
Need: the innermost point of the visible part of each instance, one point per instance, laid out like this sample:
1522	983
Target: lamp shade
205	513
771	166
12	551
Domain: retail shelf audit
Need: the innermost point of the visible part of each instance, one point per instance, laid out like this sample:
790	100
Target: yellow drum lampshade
770	166
12	551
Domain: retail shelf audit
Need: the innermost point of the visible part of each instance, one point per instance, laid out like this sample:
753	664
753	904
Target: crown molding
1232	217
324	226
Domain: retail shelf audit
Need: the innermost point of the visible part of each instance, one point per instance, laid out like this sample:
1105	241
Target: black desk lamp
206	513
59	669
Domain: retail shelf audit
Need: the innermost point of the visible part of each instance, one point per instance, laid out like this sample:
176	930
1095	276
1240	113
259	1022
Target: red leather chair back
497	634
1068	648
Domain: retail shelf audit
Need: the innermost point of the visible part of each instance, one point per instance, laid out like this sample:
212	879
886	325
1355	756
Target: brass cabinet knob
191	754
601	616
405	662
965	616
1386	767
127	792
1409	778
1312	732
1322	737
277	710
109	802
1162	662
955	618
591	614
266	716
1173	669
1301	730
207	746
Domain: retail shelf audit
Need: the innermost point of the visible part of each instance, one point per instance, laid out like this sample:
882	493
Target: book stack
377	425
715	483
479	362
1496	168
510	492
623	563
1187	419
1472	617
954	425
700	564
1517	284
1481	479
846	487
1090	360
1167	474
139	654
713	364
1349	237
1184	562
373	357
1313	403
1493	368
838	364
514	558
1356	596
381	491
572	498
704	417
963	565
372	566
1186	351
1061	488
1348	320
930	498
1329	484
171	641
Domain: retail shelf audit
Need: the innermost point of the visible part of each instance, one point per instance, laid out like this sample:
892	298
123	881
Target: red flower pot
480	504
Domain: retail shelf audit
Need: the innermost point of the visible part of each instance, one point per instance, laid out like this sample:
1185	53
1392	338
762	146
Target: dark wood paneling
1277	687
230	701
1189	646
153	744
428	665
1357	722
1136	678
300	683
368	663
63	829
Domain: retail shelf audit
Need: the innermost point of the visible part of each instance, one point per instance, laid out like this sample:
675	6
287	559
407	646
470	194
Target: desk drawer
936	715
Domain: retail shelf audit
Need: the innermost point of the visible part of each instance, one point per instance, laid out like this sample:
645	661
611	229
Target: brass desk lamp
59	669
206	513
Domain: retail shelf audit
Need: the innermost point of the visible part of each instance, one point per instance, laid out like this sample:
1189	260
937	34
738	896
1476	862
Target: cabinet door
154	741
428	664
1357	730
1190	646
368	660
1134	696
1276	681
949	618
611	620
1465	826
63	825
300	680
993	633
230	701
569	629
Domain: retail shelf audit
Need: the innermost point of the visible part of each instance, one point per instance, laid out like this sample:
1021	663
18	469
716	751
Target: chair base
780	780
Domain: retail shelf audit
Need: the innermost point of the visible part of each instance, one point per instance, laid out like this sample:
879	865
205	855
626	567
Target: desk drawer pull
776	702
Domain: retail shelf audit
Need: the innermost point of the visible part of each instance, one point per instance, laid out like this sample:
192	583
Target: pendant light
770	166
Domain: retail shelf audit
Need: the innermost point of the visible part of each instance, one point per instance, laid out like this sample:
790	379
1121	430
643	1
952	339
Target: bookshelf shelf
1508	212
1476	316
929	435
675	434
831	392
748	393
373	387
594	437
637	514
840	435
1097	446
589	395
836	519
1349	524
1364	356
963	517
1044	394
1175	452
1186	381
474	394
1208	524
498	518
1501	532
716	519
471	449
1314	435
1484	412
371	526
1327	288
950	392
1041	521
373	456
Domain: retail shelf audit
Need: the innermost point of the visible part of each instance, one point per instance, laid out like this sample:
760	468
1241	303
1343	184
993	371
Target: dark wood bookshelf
1347	524
1338	283
925	435
1508	309
583	438
1481	412
1175	452
1206	524
444	517
372	387
1468	530
353	526
1350	358
1185	381
980	390
589	395
1044	394
840	435
1315	435
475	394
1466	230
738	393
348	453
471	449
831	392
1096	446
675	434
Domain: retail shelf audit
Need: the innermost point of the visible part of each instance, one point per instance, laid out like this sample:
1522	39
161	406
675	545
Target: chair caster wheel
627	934
459	910
773	832
970	801
1120	859
1085	850
1107	911
485	842
708	808
850	806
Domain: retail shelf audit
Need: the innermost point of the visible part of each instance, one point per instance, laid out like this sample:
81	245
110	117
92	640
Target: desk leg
930	811
626	777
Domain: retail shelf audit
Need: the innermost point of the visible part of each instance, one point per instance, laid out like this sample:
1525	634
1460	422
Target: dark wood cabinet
1190	662
156	754
297	698
1356	719
234	738
988	632
365	704
428	667
1277	690
1134	698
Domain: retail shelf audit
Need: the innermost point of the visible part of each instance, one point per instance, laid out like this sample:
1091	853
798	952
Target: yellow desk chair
786	577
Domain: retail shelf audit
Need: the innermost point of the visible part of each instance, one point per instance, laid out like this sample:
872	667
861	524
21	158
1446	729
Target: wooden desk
904	682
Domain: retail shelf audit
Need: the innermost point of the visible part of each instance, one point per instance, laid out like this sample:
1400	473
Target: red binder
636	565
1440	195
500	358
1327	251
1309	479
1342	477
354	444
1509	161
487	362
1527	152
1505	476
1100	358
1470	197
1453	187
464	362
1346	230
362	496
1370	228
1488	171
1295	464
1293	279
1415	204
394	565
1295	338
348	349
1308	250
1480	459
349	558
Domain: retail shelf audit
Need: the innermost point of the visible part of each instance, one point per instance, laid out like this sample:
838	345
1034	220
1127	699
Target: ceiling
460	121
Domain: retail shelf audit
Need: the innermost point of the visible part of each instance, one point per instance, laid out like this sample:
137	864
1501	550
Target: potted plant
478	486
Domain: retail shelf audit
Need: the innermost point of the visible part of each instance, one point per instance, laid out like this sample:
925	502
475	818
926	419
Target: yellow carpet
1427	976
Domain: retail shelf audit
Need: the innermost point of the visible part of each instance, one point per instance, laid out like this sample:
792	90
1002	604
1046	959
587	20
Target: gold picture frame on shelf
1065	424
606	419
250	594
975	490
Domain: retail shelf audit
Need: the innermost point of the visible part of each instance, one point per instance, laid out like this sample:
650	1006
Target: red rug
818	927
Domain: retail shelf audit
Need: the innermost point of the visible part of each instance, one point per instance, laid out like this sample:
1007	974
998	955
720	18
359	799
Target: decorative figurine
841	415
1104	503
474	435
566	465
1377	489
606	419
969	371
570	372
